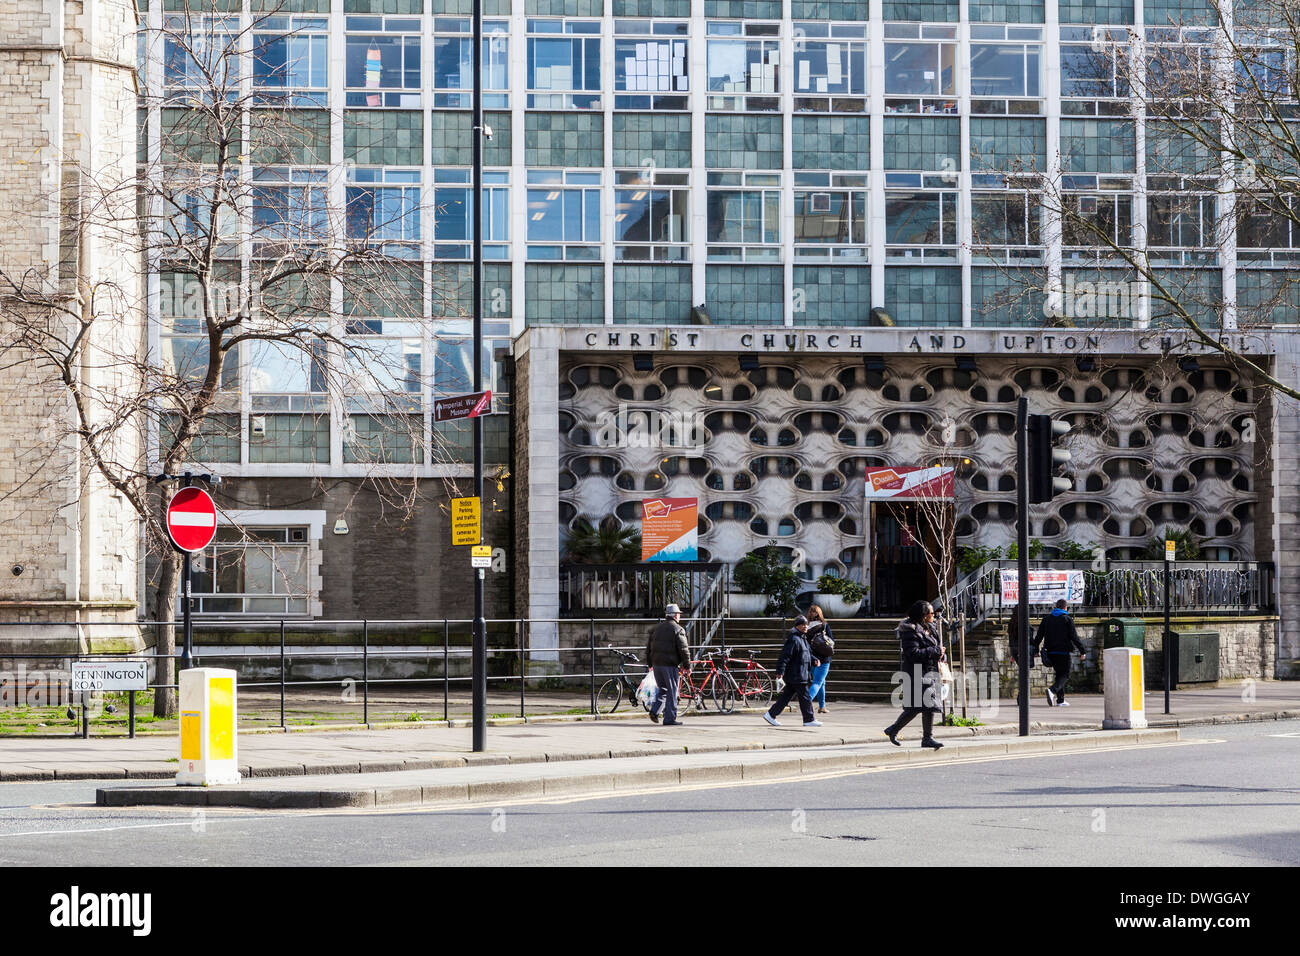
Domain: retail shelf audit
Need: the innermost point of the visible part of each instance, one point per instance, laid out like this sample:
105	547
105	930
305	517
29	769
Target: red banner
903	483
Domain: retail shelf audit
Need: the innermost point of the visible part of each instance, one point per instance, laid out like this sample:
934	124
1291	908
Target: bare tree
938	513
244	237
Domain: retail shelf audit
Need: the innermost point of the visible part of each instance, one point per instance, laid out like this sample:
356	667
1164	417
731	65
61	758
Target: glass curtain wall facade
789	163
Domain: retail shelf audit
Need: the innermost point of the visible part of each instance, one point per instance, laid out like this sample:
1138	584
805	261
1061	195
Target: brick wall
393	563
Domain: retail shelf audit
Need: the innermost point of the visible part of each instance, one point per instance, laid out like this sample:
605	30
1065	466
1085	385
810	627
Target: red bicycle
703	680
754	683
725	679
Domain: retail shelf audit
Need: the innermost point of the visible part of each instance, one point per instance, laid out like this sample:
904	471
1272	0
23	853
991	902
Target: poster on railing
670	529
1046	586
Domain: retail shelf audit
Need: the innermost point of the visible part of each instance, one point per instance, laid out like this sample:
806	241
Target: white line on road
228	814
211	815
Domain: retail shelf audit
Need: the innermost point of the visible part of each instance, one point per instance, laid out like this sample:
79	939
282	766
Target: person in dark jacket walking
920	652
665	652
1013	634
795	667
1057	637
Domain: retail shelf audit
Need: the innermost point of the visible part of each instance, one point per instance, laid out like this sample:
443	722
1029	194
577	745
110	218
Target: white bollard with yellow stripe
208	746
1125	689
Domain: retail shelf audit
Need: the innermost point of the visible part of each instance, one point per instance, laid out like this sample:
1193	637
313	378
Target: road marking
211	814
225	814
1282	735
488	806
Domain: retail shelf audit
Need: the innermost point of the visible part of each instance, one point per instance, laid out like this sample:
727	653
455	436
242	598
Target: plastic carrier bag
647	690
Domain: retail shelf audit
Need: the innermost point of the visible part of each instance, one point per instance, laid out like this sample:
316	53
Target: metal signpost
476	217
1170	547
192	524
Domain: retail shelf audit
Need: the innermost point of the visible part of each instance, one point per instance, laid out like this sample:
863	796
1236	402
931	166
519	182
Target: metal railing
638	589
431	656
1127	588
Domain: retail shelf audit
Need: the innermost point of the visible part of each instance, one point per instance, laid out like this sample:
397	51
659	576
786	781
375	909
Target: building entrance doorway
901	533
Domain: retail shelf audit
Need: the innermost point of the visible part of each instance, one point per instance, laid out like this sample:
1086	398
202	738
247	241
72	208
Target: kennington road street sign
109	675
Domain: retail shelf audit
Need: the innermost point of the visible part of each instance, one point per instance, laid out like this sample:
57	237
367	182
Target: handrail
707	603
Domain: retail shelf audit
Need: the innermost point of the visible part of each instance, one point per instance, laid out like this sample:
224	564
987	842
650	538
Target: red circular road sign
191	519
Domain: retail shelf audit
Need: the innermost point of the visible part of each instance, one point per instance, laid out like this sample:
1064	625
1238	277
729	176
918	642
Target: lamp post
480	625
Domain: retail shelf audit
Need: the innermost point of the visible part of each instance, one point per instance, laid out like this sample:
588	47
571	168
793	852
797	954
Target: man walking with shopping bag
665	652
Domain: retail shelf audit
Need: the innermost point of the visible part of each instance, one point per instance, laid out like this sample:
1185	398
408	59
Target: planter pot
834	606
746	605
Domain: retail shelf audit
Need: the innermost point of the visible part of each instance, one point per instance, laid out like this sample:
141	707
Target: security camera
487	132
16	570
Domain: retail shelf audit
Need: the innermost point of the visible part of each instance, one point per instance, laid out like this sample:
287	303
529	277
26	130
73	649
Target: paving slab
438	746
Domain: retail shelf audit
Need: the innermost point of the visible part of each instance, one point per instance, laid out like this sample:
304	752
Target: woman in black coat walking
920	652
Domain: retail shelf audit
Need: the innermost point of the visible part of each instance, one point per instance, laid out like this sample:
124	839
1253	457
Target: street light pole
476	214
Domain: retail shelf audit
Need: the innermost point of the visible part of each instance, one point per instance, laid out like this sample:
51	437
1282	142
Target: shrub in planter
839	597
761	573
851	591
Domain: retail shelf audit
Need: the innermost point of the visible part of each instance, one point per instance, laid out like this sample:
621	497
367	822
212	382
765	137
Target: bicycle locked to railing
725	678
622	685
718	678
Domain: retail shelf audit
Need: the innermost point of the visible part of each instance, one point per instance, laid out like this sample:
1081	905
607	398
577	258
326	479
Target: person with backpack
822	645
1057	636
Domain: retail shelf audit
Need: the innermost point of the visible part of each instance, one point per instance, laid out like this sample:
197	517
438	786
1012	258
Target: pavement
553	739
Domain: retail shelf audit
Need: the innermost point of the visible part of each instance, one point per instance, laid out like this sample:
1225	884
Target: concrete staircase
866	653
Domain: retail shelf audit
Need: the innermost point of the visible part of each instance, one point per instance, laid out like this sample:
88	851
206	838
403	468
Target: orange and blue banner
670	529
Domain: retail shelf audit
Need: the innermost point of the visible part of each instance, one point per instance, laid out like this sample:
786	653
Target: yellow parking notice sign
481	556
465	525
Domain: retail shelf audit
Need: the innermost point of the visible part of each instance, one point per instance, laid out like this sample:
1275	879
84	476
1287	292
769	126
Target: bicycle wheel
609	696
725	692
686	691
759	688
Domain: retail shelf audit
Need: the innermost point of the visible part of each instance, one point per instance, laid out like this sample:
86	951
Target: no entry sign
191	519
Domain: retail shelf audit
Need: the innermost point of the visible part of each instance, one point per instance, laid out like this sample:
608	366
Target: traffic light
1044	458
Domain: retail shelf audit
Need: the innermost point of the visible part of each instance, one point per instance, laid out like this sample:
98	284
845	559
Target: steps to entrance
866	653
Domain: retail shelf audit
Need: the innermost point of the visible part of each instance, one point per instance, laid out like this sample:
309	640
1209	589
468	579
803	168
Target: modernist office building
692	208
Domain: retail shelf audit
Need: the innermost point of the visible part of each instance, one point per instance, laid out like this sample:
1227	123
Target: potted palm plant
605	543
